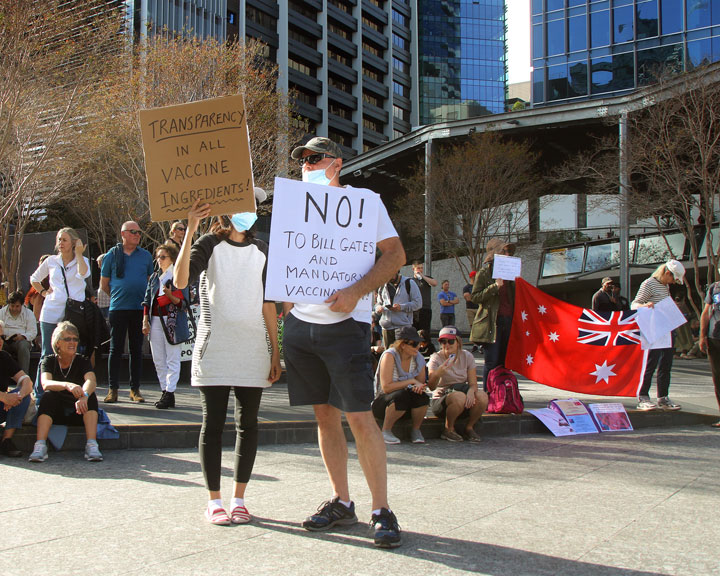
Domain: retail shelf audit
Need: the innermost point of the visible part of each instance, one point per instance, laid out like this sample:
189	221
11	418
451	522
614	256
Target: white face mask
317	176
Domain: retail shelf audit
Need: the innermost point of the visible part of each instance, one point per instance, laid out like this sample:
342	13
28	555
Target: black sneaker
329	514
387	530
167	401
8	448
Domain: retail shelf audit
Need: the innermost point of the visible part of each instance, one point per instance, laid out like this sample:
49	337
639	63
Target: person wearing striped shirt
652	291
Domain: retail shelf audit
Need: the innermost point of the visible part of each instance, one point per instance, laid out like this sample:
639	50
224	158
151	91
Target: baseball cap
677	269
606	280
448	333
318	144
472	274
407	333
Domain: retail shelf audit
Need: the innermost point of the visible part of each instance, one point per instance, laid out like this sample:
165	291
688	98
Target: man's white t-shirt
321	313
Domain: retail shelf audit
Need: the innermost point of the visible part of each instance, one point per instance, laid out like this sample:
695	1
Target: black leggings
214	407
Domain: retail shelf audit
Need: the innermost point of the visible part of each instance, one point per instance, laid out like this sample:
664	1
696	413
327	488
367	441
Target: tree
52	55
673	166
473	187
163	71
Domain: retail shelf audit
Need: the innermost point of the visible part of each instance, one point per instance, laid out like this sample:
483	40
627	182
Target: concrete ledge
174	436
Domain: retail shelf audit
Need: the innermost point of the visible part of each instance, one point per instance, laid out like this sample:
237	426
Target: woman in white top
69	261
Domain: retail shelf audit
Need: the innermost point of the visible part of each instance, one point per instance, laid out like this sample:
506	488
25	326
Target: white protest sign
657	323
506	267
322	239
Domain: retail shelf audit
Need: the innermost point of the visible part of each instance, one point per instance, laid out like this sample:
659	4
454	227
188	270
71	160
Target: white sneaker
645	404
416	437
39	453
664	403
92	451
390	438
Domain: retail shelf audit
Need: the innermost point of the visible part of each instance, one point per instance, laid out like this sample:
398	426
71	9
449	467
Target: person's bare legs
43	426
454	404
333	448
418	416
391	416
476	412
371	454
90	420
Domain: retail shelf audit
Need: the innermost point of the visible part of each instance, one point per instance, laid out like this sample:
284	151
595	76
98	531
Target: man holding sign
327	356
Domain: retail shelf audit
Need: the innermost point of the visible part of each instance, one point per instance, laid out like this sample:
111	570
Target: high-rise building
462	59
587	49
363	72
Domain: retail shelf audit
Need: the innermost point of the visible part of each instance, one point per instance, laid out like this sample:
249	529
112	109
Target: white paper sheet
506	267
658	322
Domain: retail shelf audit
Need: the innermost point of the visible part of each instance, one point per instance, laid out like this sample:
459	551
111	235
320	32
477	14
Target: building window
377	3
400	42
340	138
302	38
259	17
556	37
300	67
340	31
647	19
340	111
302	124
401	113
372	49
231	18
623	24
372	24
301	8
370	99
401	89
600	29
371	124
400	18
340	85
340	5
401	65
672	16
340	58
577	33
301	96
372	74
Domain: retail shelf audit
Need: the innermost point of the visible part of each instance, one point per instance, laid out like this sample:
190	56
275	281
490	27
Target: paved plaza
633	503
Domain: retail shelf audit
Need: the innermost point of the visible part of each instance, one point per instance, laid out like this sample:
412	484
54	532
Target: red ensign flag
563	346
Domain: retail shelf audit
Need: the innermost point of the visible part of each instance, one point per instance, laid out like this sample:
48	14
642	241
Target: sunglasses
313	159
70	339
161	257
179	228
446	341
134	232
411	343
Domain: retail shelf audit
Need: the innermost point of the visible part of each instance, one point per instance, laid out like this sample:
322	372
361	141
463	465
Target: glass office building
587	48
462	60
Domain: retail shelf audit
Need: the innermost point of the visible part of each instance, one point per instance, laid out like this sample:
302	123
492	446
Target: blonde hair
660	272
74	237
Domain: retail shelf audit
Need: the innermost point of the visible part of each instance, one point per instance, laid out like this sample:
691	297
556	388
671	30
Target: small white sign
657	323
506	267
322	239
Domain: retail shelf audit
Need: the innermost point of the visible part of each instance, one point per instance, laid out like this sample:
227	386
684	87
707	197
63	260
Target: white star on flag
542	309
529	359
603	372
524	315
527	333
554	336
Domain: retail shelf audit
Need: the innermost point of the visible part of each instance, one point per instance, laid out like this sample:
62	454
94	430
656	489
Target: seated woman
69	396
400	386
427	348
13	403
454	380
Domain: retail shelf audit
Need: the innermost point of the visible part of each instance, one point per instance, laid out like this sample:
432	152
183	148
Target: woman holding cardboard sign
230	264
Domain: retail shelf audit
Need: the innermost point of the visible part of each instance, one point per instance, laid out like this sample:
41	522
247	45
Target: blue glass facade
596	48
462	59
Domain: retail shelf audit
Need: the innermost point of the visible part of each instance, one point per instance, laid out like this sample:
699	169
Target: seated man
13	404
453	377
20	328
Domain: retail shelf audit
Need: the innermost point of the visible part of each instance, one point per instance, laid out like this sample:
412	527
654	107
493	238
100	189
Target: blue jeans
124	322
495	353
46	330
14	417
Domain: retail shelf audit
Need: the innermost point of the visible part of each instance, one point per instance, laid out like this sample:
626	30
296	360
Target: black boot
162	399
167	401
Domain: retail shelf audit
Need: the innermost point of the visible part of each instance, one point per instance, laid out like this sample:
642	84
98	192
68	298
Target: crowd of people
325	346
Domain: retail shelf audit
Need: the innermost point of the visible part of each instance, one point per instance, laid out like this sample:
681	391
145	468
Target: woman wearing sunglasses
69	383
453	377
165	323
400	386
236	348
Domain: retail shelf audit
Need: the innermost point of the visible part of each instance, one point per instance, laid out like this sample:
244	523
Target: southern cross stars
524	315
603	372
553	336
529	359
542	309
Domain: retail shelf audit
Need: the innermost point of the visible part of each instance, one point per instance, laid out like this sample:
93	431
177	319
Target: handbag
174	316
75	312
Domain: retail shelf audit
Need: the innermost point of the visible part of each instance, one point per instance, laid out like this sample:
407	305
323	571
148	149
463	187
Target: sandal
218	517
240	515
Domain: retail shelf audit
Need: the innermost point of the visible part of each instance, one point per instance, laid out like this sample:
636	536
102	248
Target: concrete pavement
639	503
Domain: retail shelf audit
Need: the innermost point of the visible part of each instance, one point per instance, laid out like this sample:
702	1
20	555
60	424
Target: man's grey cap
320	145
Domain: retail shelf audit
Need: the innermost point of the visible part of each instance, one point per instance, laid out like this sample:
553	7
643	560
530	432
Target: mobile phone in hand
451	357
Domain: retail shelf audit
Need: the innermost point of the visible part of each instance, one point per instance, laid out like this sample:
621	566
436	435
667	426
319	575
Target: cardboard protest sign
197	150
322	239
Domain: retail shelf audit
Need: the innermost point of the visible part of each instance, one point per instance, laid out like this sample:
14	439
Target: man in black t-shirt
604	300
13	403
470	306
423	317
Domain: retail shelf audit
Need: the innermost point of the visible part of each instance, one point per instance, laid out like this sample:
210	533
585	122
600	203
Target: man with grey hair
327	356
124	275
20	329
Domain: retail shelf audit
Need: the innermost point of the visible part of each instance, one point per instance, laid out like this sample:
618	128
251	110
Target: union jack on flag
619	328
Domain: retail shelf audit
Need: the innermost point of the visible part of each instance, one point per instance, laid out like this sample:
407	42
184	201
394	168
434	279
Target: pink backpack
503	392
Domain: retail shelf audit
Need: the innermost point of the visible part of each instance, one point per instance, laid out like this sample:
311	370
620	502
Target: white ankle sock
235	502
346	504
214	504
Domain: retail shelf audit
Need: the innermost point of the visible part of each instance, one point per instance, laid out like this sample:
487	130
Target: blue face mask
243	221
317	176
